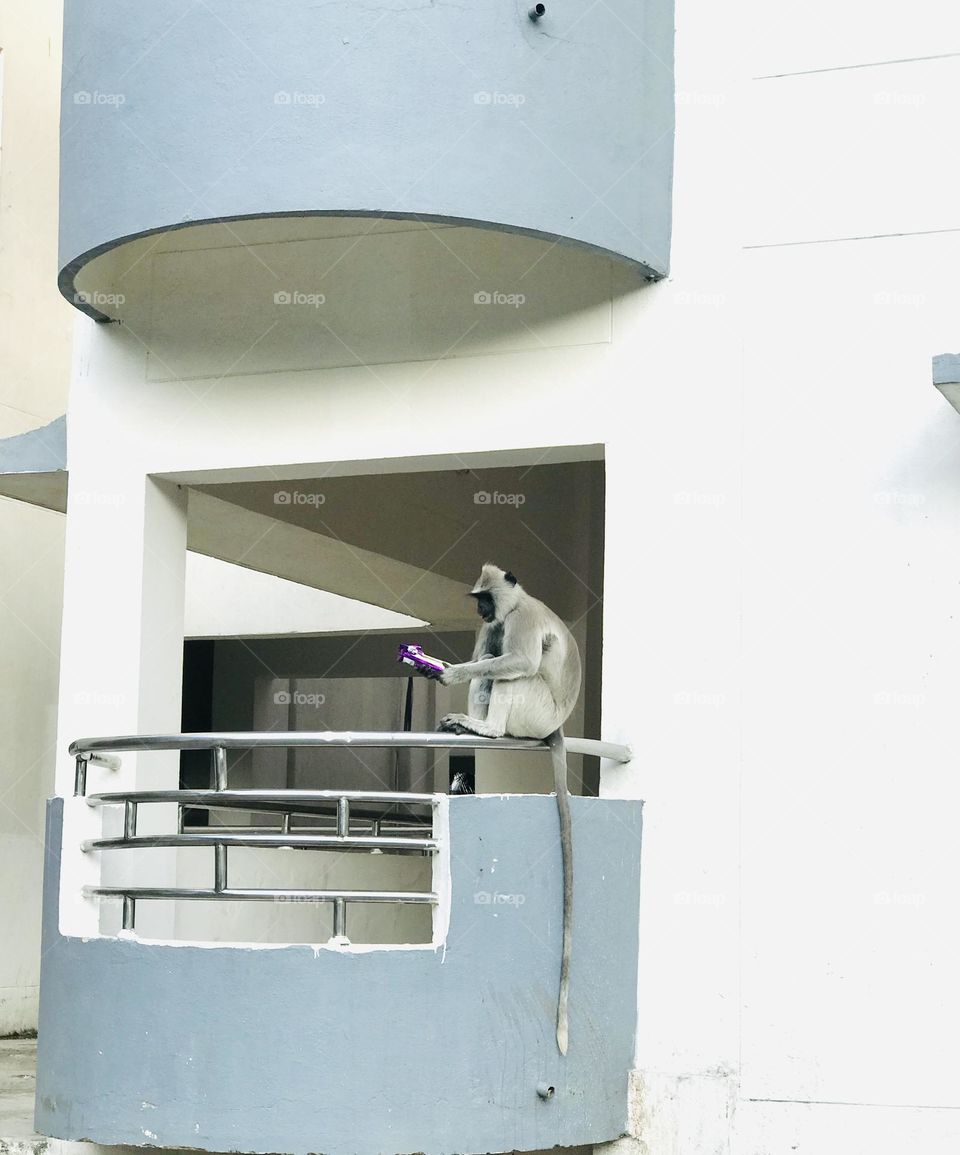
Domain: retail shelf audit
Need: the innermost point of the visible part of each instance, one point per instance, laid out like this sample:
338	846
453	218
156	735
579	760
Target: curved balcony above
479	116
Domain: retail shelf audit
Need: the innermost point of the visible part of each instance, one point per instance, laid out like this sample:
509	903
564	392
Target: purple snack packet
414	656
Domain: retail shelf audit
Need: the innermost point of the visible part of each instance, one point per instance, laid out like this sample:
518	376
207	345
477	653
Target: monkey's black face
485	606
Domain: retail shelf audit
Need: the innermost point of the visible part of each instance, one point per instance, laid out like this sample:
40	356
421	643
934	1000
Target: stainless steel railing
409	817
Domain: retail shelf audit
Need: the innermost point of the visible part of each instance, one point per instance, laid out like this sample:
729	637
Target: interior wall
278	684
272	702
239	664
360	703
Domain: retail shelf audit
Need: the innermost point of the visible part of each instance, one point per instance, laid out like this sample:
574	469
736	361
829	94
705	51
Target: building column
120	668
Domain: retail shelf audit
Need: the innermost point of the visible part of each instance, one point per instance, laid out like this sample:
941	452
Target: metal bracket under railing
108	761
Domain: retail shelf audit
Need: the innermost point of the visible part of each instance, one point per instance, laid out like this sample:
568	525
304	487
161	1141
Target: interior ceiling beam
256	541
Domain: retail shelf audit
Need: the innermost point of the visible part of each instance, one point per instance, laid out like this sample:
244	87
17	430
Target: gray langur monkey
525	671
524	681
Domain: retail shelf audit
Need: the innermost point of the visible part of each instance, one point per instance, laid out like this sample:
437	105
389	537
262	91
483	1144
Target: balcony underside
99	282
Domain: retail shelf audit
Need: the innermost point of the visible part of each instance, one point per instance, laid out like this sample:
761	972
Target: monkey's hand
454	675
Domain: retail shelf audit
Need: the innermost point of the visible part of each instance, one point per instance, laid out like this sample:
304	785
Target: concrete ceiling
414	542
409	542
45	489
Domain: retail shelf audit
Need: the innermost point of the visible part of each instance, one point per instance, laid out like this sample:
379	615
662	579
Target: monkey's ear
509	578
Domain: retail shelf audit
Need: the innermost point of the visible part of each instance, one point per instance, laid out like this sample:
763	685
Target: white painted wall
783	488
31	566
799	935
35	333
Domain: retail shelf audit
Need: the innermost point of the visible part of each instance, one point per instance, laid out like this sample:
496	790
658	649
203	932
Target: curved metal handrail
99	749
296	841
406	811
398	739
416	897
363	739
263	798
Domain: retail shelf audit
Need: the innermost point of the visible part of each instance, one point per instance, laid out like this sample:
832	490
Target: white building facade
754	470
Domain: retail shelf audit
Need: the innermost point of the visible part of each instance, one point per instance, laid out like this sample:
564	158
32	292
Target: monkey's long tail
558	754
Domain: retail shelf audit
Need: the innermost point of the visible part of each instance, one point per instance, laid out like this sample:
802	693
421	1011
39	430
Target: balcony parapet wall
300	1049
175	114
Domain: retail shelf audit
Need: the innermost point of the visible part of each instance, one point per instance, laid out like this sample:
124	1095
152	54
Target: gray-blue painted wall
946	368
175	112
42	450
435	1051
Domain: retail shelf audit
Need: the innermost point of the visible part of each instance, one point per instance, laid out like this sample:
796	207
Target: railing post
219	768
219	851
219	868
340	904
129	831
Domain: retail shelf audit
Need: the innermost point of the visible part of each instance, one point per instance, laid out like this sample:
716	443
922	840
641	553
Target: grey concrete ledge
174	114
42	450
302	1050
946	369
33	466
946	377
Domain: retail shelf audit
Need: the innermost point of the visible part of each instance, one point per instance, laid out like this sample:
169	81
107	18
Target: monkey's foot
454	724
464	724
